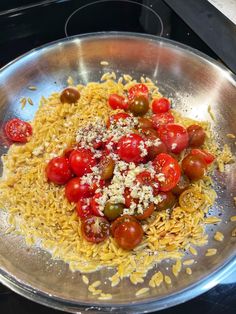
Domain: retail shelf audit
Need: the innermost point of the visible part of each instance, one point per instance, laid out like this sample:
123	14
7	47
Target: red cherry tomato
175	136
95	229
146	213
58	170
197	135
81	161
154	150
129	148
128	198
208	157
194	166
128	234
170	168
118	102
136	90
145	178
76	190
116	117
120	220
17	130
94	204
83	208
110	146
160	105
67	152
162	118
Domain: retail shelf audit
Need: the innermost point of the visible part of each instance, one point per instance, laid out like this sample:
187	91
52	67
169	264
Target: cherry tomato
146	213
94	204
145	178
175	136
17	130
194	166
81	161
182	185
69	95
98	144
129	148
136	90
67	152
145	123
162	118
208	157
75	189
197	135
120	220
128	234
128	198
169	167
107	166
116	117
58	170
160	105
118	102
95	229
83	208
110	146
139	105
112	211
168	201
157	148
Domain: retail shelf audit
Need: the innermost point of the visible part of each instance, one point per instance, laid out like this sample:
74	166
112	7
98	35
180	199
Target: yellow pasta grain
167	280
105	296
23	102
104	63
188	262
32	87
233	233
30	101
142	291
96	284
211	113
210	252
85	279
230	135
193	250
188	271
233	218
219	236
212	220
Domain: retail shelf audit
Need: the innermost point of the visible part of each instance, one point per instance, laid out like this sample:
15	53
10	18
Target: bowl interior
193	83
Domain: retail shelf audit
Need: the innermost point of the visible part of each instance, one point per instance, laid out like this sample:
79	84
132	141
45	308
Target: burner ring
129	2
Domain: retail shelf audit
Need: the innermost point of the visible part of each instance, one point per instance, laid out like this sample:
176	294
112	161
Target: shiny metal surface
193	81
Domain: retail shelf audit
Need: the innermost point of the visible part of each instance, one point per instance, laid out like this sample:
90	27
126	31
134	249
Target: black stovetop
26	24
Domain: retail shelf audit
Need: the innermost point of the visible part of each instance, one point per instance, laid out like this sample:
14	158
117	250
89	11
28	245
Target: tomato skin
95	229
118	102
145	123
83	208
154	150
58	170
174	136
208	157
162	118
120	220
94	205
17	130
75	190
129	149
107	166
128	234
197	135
160	105
145	178
168	201
194	166
182	185
137	90
170	168
112	211
69	95
139	105
128	198
116	117
81	161
146	213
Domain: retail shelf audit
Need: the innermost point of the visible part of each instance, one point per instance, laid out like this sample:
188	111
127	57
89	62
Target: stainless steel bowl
194	81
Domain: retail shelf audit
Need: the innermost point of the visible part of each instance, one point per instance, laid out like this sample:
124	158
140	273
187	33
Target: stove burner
114	15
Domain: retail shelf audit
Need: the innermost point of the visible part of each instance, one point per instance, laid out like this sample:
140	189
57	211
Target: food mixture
108	174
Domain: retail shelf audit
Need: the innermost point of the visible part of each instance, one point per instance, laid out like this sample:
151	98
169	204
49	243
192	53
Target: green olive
182	185
112	211
139	106
168	201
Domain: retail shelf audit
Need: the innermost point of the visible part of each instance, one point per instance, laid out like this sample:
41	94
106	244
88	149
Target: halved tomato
95	229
